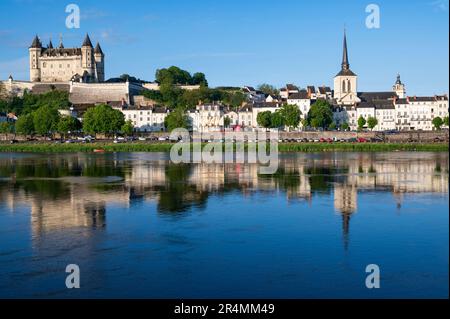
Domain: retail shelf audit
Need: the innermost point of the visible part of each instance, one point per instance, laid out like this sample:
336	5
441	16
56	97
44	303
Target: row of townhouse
405	114
392	113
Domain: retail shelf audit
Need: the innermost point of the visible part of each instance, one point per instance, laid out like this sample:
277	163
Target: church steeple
345	64
345	82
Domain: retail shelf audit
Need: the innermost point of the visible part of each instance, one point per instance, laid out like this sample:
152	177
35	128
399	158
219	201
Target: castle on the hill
49	64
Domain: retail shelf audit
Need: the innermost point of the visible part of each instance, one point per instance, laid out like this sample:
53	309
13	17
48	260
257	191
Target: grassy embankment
165	147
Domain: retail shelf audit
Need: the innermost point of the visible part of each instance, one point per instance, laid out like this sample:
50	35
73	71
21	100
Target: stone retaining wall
400	137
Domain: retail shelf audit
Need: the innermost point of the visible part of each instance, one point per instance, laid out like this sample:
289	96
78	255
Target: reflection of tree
102	167
42	176
43	188
322	178
284	179
178	195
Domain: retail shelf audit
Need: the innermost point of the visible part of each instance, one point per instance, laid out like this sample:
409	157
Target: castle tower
87	59
399	88
345	82
35	51
99	63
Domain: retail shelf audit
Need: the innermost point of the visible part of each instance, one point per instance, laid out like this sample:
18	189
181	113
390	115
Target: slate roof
369	96
302	95
87	41
98	49
324	89
36	44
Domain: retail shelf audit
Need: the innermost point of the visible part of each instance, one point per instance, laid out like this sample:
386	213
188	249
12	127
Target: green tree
174	75
45	120
320	114
6	127
233	99
345	126
437	123
226	121
268	89
25	124
127	128
199	79
332	126
446	121
277	120
291	115
68	124
176	119
372	122
264	119
102	119
304	123
361	123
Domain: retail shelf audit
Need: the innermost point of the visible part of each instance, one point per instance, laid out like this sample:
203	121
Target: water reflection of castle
79	191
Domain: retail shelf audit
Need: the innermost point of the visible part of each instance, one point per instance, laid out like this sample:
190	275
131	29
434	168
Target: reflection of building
75	200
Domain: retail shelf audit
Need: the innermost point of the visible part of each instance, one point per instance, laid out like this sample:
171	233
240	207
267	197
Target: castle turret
87	59
35	53
99	63
399	88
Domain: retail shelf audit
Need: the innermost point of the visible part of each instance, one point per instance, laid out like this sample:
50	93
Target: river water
139	226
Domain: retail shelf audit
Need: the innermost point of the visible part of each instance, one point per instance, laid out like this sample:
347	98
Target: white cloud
440	5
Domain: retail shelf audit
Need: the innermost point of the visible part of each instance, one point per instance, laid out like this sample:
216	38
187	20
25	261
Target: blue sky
248	42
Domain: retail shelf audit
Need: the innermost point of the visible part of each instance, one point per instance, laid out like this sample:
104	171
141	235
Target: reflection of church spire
345	202
346	228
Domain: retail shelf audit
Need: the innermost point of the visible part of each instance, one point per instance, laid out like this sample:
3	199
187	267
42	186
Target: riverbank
165	147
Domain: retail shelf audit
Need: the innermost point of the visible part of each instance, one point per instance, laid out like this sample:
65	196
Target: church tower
399	88
35	53
345	82
87	60
99	63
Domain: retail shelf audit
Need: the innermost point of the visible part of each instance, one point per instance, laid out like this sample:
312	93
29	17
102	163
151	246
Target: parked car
362	140
142	138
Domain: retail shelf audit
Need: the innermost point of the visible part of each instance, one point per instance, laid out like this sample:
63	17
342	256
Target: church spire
345	64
